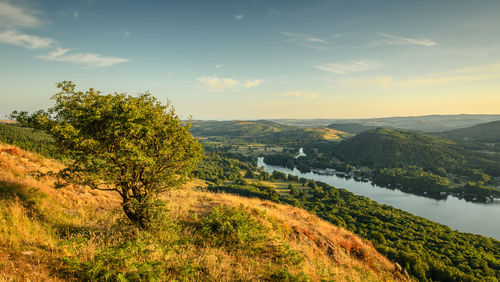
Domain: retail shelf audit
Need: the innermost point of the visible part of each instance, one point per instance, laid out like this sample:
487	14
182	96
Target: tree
135	146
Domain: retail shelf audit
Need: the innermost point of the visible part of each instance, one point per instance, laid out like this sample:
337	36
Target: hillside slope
53	234
429	123
485	132
237	128
353	128
398	148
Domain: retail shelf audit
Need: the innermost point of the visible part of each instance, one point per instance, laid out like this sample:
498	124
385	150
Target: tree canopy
133	145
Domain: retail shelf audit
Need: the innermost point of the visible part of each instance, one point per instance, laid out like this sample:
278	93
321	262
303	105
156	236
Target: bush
130	260
234	228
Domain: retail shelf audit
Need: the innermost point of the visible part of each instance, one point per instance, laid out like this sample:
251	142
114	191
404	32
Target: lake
471	217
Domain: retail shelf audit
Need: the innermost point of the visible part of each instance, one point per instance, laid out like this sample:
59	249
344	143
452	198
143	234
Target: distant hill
383	147
396	148
429	123
353	128
485	132
237	128
329	133
264	131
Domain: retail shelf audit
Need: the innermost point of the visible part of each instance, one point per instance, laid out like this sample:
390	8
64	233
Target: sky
257	59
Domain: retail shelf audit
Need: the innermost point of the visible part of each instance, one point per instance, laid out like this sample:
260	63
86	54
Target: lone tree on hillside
135	146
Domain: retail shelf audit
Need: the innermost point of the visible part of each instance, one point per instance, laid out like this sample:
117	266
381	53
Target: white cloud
239	17
303	94
216	84
89	60
302	37
396	40
25	40
218	66
345	68
125	34
16	17
253	83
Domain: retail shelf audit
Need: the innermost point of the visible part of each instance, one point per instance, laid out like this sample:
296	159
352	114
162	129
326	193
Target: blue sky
245	59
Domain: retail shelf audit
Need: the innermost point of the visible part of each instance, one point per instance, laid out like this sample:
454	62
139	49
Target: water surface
471	217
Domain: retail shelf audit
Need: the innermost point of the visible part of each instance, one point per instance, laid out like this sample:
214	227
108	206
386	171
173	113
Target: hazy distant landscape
277	140
432	123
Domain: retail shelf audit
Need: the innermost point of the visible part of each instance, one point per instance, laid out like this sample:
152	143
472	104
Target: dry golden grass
330	252
33	212
40	225
245	123
329	133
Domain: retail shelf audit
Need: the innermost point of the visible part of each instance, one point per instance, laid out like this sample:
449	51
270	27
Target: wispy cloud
218	66
398	41
476	73
88	60
239	17
302	37
216	84
125	34
253	83
15	17
272	11
25	40
18	17
303	94
353	66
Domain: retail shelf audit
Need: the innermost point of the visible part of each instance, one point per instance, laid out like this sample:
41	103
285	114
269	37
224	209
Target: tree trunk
138	212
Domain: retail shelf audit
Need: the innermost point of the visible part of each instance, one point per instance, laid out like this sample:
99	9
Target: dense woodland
28	139
485	132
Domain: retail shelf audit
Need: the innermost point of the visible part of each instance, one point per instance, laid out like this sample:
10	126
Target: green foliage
133	145
28	139
234	228
282	159
477	189
412	177
216	168
284	275
383	148
130	261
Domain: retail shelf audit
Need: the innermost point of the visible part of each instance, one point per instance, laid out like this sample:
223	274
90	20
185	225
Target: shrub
235	228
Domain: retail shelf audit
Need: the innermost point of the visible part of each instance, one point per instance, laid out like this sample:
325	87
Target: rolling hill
353	128
429	123
264	131
485	132
237	128
49	234
398	148
385	148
